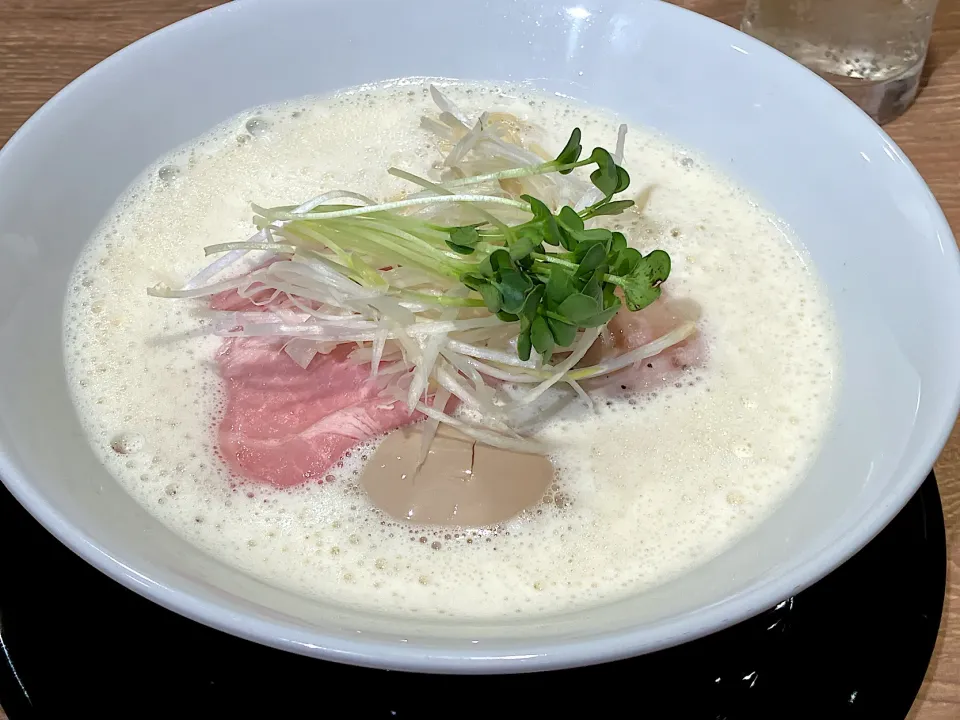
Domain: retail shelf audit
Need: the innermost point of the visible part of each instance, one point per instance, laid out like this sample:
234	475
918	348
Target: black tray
855	645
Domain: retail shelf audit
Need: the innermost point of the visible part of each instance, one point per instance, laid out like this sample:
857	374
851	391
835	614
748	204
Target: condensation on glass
871	50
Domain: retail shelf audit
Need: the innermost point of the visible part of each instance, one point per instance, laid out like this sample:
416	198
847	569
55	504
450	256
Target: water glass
871	50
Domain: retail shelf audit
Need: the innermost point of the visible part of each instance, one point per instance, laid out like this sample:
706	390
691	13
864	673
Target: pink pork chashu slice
286	425
630	330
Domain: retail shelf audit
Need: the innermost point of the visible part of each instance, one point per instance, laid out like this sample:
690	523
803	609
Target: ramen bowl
873	230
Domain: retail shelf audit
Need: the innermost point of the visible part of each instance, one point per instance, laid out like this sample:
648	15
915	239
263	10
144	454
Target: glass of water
871	50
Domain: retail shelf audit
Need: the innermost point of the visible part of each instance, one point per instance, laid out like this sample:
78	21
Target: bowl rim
543	654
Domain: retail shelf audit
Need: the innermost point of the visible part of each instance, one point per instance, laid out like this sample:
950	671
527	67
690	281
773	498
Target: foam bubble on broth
647	488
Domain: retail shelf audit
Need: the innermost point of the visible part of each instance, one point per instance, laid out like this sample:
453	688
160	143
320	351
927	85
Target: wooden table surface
44	44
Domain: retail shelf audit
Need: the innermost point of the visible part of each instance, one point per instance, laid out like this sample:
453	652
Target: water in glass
872	50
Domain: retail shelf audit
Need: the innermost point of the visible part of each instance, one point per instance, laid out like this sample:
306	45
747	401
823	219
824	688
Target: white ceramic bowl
872	227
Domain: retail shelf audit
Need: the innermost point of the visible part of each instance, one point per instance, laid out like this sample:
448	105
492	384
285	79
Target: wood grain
44	44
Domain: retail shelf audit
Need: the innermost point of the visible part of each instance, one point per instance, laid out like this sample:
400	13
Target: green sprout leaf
523	345
537	207
610	298
593	258
491	297
593	235
569	225
656	266
579	308
606	177
495	262
614	207
513	287
464	240
559	286
473	281
551	232
542	337
619	243
642	286
594	287
639	294
569	219
523	246
563	333
571	151
529	310
626	262
602	317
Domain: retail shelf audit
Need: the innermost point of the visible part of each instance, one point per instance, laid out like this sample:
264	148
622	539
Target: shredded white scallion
388	282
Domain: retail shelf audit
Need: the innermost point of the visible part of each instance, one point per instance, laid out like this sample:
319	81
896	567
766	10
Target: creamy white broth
651	486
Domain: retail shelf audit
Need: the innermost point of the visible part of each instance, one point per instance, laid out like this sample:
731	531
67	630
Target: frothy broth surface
647	487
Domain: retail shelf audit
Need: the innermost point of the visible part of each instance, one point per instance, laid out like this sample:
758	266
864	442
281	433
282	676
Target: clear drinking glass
871	50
